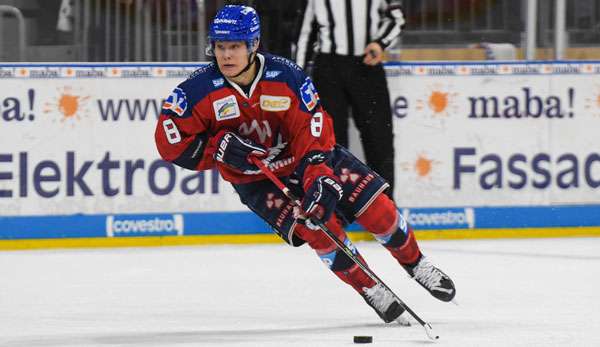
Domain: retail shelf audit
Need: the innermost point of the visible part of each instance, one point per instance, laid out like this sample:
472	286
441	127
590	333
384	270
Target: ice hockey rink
525	292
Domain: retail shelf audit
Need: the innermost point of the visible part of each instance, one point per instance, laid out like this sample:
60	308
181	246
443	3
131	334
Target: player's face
232	57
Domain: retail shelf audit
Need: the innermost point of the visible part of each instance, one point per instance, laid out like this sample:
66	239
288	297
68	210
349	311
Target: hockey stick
296	202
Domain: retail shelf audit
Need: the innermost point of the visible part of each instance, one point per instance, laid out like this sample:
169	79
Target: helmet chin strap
251	60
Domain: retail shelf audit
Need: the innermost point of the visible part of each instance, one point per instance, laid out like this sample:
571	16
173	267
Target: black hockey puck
363	339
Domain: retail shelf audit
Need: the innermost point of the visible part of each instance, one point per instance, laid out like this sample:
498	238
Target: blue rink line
246	223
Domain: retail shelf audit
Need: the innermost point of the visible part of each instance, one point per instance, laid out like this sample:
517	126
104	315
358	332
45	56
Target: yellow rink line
153	241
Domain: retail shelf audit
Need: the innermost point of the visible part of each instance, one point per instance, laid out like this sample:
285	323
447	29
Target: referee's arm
390	27
307	34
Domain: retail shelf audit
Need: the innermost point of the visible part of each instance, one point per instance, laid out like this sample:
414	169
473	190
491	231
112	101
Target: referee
346	39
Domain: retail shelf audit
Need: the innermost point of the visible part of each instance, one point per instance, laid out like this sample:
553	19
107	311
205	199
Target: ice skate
431	278
386	306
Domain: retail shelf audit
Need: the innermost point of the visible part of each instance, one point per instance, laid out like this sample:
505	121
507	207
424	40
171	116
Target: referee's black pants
344	82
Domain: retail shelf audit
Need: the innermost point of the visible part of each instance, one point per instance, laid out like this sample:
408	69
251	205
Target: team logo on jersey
272	74
309	94
218	82
176	102
262	130
226	108
274	103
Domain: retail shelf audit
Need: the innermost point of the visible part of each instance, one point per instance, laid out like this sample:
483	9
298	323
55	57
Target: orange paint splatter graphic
68	104
423	166
439	100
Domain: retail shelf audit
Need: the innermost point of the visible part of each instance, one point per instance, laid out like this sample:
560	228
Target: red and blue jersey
281	111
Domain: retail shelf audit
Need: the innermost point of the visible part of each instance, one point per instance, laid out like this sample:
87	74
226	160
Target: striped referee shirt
346	27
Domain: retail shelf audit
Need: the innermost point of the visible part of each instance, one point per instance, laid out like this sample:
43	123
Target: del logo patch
176	102
226	108
274	103
309	94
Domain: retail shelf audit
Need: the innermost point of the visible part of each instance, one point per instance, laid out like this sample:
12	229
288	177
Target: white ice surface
534	292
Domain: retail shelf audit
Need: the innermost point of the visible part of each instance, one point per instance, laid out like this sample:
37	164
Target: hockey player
250	104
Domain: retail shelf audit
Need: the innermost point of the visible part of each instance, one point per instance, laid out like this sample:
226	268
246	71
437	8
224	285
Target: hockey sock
345	268
408	252
391	230
335	259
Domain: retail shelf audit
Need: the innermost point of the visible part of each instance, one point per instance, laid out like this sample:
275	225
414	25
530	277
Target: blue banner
246	223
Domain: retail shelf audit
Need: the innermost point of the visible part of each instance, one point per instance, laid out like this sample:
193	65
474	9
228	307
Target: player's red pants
381	219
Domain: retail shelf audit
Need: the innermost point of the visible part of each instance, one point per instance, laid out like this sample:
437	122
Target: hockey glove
234	151
321	198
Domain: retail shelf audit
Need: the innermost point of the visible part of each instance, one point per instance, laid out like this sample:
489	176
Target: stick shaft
265	170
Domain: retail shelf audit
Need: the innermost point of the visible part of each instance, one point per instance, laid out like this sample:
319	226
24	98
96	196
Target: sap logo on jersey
309	94
226	108
176	102
218	82
144	225
272	74
274	103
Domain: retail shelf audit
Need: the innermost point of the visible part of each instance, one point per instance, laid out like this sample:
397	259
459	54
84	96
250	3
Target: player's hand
322	197
235	151
373	54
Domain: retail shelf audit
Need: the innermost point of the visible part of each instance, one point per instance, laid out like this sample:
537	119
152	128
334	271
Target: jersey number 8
316	124
173	135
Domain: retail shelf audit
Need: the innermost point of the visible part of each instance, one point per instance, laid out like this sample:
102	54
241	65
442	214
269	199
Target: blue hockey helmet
235	23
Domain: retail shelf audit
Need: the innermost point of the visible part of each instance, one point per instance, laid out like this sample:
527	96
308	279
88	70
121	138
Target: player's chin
230	70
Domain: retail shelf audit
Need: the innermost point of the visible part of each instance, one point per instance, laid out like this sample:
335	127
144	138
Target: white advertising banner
496	134
80	139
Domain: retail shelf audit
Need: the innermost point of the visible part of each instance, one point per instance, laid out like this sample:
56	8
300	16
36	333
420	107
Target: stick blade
430	333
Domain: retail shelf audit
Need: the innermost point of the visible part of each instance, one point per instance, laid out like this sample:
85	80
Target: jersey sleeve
311	130
182	133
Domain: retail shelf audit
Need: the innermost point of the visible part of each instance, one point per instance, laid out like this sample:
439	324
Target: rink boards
482	150
245	227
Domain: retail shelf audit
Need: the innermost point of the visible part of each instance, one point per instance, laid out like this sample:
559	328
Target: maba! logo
69	104
440	100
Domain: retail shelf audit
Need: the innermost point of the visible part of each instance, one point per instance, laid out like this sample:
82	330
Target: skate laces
379	297
427	274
